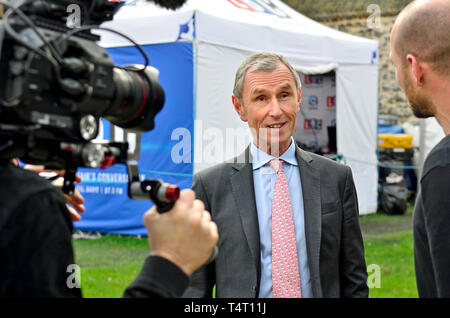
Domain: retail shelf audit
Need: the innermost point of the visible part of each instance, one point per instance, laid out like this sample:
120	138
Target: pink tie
285	272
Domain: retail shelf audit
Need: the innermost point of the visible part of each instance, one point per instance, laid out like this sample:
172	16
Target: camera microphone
169	4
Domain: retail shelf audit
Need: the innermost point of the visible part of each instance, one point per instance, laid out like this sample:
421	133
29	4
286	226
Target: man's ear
239	108
299	98
416	69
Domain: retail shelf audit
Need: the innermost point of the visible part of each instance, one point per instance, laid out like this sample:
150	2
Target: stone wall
392	100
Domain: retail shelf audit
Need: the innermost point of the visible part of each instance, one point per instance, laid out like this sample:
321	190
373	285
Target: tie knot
276	164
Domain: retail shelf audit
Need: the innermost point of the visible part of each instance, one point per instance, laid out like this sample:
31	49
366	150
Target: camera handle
162	194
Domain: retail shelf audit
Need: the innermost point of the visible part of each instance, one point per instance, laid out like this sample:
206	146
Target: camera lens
138	98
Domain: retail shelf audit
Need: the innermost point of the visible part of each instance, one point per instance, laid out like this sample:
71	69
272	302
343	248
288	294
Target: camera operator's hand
184	235
76	200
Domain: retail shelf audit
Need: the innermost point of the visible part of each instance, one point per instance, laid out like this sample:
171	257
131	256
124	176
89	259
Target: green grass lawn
388	243
393	253
110	263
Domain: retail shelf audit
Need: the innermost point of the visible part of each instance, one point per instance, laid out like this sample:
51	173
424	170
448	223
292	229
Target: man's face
421	104
270	104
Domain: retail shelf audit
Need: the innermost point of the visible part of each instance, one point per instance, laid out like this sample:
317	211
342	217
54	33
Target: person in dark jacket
36	252
420	51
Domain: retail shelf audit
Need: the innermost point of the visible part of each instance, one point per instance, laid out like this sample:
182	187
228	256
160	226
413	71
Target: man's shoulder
25	179
20	184
23	192
321	162
441	151
438	156
216	170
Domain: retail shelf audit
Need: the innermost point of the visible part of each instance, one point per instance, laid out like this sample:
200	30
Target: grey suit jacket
333	236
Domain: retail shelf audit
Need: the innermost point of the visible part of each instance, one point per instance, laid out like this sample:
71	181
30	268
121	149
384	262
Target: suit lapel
310	180
244	195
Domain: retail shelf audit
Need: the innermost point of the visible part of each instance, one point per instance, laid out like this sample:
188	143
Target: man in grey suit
238	194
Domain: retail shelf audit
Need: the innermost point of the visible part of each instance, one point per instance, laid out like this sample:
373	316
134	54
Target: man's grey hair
262	61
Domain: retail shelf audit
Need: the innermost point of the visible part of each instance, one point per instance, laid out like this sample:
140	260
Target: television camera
56	83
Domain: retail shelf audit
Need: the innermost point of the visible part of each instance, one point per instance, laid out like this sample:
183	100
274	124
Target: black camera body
56	83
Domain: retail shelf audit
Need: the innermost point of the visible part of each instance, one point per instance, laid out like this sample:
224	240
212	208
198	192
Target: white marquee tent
223	32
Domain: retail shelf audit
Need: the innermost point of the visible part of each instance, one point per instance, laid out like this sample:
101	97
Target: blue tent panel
108	208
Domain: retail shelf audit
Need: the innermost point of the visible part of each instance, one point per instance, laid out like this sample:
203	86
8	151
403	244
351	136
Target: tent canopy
246	25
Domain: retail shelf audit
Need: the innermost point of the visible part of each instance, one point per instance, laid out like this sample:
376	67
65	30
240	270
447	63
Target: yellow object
391	141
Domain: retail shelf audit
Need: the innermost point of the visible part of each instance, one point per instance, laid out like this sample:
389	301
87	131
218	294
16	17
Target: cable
12	33
381	165
30	23
66	35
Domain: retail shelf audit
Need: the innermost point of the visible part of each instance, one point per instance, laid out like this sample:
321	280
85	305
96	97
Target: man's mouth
276	126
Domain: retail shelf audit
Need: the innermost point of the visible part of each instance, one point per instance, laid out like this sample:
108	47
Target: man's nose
275	108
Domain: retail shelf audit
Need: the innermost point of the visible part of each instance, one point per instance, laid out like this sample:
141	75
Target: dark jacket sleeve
436	200
203	279
158	278
352	262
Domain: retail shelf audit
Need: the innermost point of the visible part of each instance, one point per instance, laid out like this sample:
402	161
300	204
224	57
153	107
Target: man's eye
260	98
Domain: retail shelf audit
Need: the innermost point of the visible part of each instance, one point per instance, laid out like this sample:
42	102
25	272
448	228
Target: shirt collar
260	158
